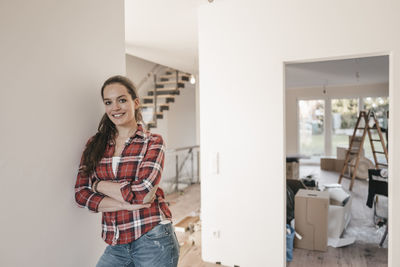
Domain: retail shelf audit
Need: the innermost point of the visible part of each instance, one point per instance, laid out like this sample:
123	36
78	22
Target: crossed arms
124	195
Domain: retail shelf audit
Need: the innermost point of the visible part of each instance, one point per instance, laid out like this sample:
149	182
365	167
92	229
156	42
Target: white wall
293	95
243	46
54	57
182	119
136	70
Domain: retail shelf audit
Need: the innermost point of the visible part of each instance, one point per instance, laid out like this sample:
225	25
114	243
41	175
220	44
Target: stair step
165	91
161	107
168	98
151	125
160	85
170	82
171	79
161	96
379	152
182	76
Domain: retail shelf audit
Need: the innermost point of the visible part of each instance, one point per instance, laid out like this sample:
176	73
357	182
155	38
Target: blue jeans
157	248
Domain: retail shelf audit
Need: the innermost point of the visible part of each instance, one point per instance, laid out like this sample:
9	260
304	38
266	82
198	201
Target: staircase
158	100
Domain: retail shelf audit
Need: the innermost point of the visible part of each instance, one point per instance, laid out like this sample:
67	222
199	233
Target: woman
120	169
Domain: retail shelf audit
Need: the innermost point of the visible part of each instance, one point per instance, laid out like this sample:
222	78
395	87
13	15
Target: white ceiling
359	71
163	31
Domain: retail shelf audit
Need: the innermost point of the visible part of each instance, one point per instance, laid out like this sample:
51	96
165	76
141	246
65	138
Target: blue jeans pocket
158	232
158	247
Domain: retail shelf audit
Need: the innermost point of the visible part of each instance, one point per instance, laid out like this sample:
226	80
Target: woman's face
119	106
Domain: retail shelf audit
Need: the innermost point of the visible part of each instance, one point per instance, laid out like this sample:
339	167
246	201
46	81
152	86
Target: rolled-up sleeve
85	197
149	175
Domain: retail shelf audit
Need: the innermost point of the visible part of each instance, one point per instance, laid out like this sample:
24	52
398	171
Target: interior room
328	159
55	56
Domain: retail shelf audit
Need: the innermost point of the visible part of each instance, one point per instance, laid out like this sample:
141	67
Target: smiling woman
119	175
120	106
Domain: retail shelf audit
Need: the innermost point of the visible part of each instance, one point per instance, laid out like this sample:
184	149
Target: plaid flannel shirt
138	172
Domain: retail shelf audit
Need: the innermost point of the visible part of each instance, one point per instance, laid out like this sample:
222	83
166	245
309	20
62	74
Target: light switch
216	233
214	163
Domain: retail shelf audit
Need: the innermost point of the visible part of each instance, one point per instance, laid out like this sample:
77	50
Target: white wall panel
242	49
55	55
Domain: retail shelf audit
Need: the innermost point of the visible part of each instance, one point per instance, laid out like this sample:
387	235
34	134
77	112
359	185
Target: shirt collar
139	133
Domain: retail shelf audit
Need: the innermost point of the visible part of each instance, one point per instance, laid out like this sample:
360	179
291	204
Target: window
344	119
316	138
311	127
380	106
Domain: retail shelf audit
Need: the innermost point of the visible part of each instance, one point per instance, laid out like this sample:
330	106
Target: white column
328	126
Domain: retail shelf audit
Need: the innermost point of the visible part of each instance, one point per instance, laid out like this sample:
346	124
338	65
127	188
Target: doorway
323	101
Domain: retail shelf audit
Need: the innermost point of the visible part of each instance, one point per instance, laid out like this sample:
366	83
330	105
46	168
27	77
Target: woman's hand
151	195
151	200
109	204
128	206
131	207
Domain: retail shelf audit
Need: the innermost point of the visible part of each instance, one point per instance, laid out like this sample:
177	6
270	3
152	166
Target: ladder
356	150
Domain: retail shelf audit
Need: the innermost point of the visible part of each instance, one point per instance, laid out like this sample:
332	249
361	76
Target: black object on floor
375	187
292	186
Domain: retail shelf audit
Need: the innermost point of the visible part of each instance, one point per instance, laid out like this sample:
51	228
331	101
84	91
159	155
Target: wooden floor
365	251
184	204
356	255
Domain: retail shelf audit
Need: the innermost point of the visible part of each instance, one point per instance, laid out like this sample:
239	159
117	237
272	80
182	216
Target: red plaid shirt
138	172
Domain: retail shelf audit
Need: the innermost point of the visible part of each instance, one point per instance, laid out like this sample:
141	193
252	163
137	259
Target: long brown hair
106	131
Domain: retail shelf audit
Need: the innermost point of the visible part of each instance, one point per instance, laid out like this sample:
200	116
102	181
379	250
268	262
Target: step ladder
354	150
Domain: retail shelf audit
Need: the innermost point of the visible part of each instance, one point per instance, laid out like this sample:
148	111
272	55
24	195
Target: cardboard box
292	170
311	219
328	163
339	165
341	152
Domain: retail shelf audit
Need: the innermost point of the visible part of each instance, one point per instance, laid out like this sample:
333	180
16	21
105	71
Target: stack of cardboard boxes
336	163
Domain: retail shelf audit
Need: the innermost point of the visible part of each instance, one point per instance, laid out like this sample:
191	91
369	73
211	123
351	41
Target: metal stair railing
148	75
155	101
182	167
